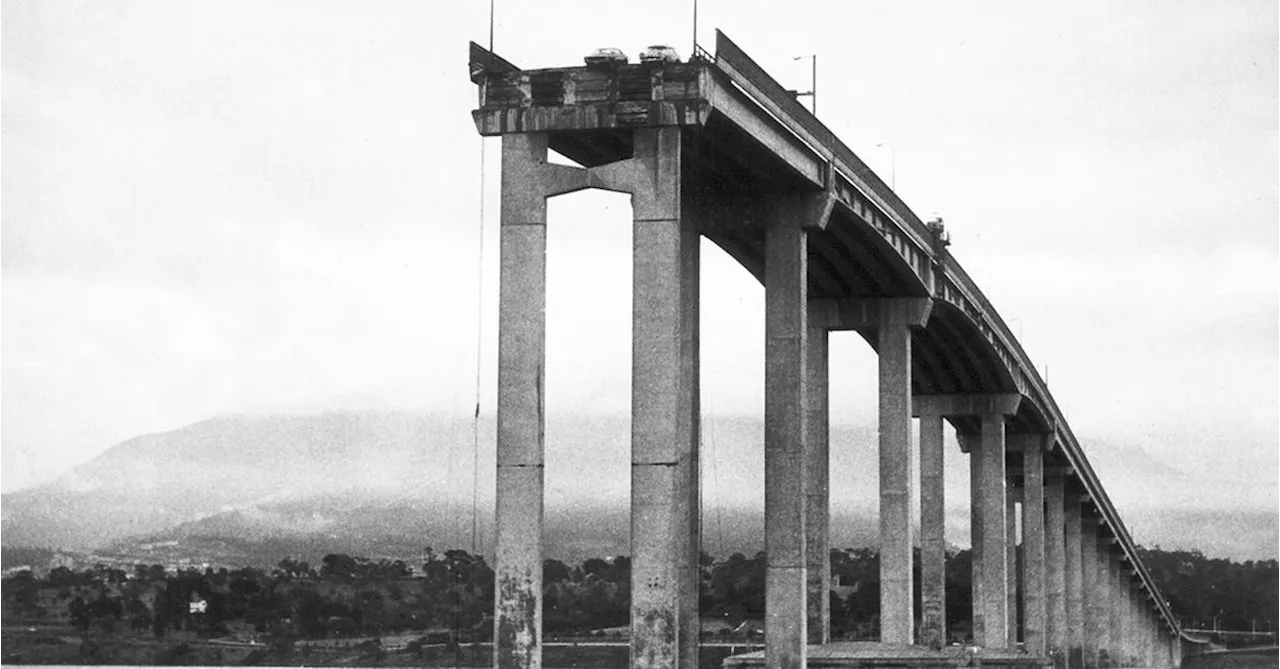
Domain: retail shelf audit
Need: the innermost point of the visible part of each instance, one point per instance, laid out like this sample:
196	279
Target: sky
248	207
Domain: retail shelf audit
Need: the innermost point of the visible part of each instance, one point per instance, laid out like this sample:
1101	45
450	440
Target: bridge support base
873	655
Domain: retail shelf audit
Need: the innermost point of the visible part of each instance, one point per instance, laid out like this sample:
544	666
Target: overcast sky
214	207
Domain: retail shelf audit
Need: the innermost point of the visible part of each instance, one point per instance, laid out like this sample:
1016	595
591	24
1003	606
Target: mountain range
255	488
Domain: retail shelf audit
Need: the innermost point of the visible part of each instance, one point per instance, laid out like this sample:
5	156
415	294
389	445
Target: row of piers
1078	602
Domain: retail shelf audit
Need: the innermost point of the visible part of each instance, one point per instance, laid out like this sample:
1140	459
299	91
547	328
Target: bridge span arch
715	147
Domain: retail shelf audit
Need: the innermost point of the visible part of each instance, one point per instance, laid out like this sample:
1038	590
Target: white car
659	53
606	56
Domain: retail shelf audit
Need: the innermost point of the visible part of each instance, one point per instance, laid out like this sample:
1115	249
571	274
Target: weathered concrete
1100	602
933	602
1011	551
688	507
1033	546
1089	588
1116	592
1073	571
520	445
818	489
995	564
786	332
663	371
900	656
1056	625
894	338
869	655
977	593
993	409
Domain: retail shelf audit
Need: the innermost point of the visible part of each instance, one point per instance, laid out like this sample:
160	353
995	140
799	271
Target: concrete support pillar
1011	550
1089	589
1073	558
784	499
1102	599
933	590
975	537
1115	592
894	338
1034	574
817	489
1148	635
995	564
520	446
1056	624
663	388
689	488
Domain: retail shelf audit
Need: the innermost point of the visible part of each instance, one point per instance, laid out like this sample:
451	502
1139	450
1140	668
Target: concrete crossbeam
869	313
1004	404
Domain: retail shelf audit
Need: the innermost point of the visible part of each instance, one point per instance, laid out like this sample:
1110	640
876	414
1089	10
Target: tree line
450	594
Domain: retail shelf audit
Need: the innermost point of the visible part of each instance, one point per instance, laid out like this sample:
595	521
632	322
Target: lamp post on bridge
893	164
812	93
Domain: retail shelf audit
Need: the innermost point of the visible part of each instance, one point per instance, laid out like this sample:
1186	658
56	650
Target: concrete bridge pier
1074	572
988	500
1034	576
1116	592
1013	498
527	181
1089	588
817	488
1056	624
933	590
785	502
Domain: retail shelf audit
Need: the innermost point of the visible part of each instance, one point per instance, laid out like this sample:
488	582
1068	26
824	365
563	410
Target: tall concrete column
933	589
1116	593
995	564
977	594
817	489
1089	588
1100	601
1056	625
1011	550
689	504
663	384
1034	575
520	446
1073	557
894	338
784	499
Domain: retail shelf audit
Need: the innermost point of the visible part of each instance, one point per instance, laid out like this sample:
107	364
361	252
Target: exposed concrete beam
870	313
1004	404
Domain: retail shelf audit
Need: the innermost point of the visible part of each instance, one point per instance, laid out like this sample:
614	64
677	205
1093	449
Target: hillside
257	487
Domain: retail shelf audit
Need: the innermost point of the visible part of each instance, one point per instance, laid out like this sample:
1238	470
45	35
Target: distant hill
257	488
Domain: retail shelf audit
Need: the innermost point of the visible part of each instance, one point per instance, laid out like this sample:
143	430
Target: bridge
714	147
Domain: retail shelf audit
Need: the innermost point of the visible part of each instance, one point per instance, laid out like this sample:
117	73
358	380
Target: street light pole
813	83
893	164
